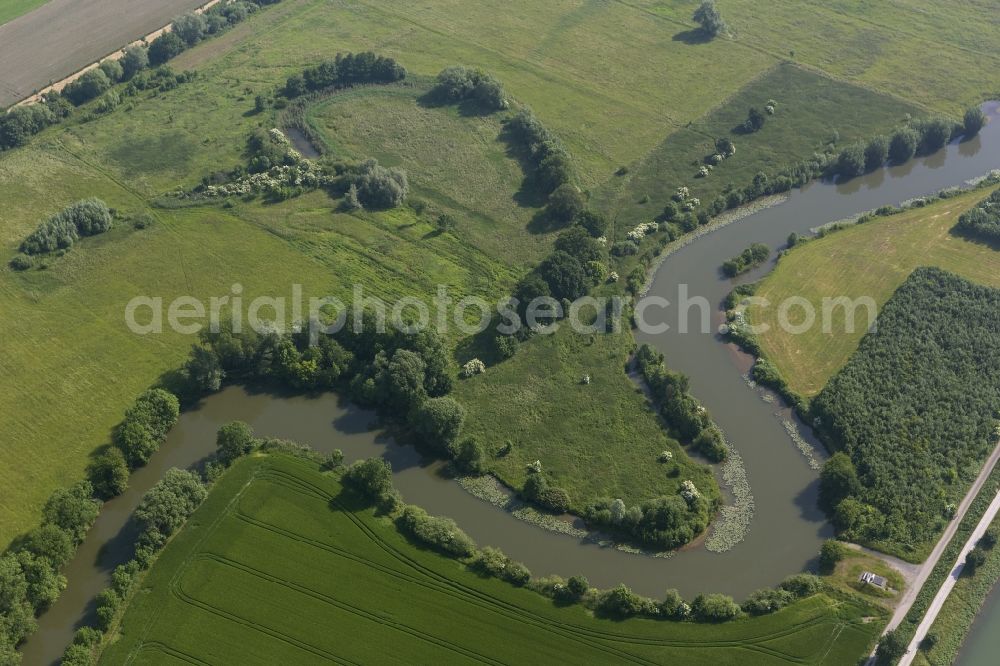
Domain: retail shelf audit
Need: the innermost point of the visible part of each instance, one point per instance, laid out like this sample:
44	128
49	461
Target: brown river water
786	531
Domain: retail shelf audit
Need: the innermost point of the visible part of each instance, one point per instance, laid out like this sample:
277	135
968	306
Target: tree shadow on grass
692	37
528	194
543	223
469	108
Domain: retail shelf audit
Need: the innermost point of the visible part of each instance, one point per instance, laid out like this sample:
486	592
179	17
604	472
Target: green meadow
279	564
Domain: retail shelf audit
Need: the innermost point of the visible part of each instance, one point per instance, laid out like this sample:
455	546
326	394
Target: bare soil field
63	36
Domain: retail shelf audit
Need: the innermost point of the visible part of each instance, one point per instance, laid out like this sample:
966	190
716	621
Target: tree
233	440
372	478
576	242
903	145
851	161
163	48
565	276
595	224
91	84
973	121
72	509
134	60
401	380
876	152
204	370
381	188
802	585
109	473
113	70
711	444
259	103
620	602
295	86
709	18
975	559
755	120
50	543
446	223
890	648
714	608
837	480
468	455
934	134
190	27
766	601
165	507
45	584
830	554
565	203
16	612
437	422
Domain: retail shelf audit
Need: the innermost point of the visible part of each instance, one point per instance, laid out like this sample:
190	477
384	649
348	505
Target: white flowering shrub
665	456
703	171
642	230
603	240
473	367
689	491
306	174
535	467
613	276
682	194
716	158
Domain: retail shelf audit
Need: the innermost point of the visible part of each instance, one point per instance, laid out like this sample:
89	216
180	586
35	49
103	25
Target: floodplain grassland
279	563
812	113
889	249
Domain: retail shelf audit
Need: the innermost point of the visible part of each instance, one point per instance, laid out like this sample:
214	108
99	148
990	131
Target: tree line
753	256
345	70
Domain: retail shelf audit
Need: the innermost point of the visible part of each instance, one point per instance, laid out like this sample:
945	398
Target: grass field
888	249
11	9
811	109
278	565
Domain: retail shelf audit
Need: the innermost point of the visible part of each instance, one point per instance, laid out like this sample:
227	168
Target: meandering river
785	533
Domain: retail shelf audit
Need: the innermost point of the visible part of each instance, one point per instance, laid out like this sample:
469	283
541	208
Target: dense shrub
714	608
708	17
830	554
934	134
973	121
22	122
982	221
670	393
537	489
437	422
91	84
903	145
379	187
233	440
190	27
551	163
620	602
163	48
916	401
133	60
458	83
72	509
468	455
711	444
146	424
83	218
593	223
565	276
852	161
165	507
664	522
440	533
766	601
753	256
802	585
371	478
565	203
346	69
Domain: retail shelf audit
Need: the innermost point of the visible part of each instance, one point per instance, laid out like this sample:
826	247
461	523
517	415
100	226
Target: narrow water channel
787	529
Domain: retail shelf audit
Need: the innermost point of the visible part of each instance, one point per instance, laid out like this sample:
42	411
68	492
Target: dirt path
910	594
65	36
